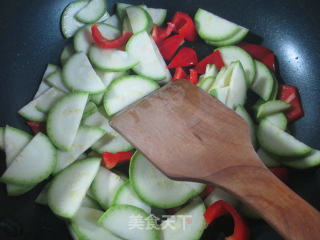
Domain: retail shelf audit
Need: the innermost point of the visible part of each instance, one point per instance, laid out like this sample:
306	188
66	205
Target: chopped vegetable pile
112	62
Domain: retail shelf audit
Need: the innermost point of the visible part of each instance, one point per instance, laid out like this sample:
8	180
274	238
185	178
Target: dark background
30	38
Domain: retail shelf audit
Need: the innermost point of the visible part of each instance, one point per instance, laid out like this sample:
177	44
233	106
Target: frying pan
30	38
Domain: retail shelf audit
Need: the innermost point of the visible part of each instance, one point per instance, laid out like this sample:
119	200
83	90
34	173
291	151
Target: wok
30	38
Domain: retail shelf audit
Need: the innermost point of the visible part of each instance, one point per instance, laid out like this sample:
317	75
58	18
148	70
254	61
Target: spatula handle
283	209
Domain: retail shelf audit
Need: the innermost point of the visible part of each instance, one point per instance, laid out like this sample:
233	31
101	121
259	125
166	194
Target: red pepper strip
220	208
103	42
205	193
185	57
290	95
256	51
193	76
184	26
214	58
37	127
159	34
179	74
269	61
169	46
110	160
281	172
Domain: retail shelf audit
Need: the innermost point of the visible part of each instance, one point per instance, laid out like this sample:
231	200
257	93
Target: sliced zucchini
72	233
64	119
69	187
221	94
79	75
69	24
279	142
118	219
17	190
206	83
151	64
211	71
121	12
48	99
85	224
89	202
22	171
86	136
67	52
126	90
97	119
232	40
220	194
90	109
263	81
42	198
268	160
92	12
214	28
105	186
111	59
274	93
96	98
55	80
224	77
44	86
156	189
158	15
234	53
309	161
187	224
272	107
107	77
31	113
126	25
252	127
113	21
278	119
104	17
112	144
139	19
126	195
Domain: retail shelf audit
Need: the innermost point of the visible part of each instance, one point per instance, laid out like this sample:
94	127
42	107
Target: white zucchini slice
206	83
72	233
238	87
17	190
279	142
309	161
187	224
278	119
263	81
111	59
113	21
126	195
221	94
96	98
85	138
104	17
97	119
67	52
31	113
1	138
211	71
118	219
112	144
69	24
212	27
105	186
126	25
48	99
15	141
158	15
139	19
107	77
268	160
43	86
85	224
142	47
42	198
79	75
220	194
90	109
22	170
92	12
271	107
89	202
234	53
64	119
121	12
224	77
274	93
232	40
156	189
55	80
69	187
83	38
125	91
252	127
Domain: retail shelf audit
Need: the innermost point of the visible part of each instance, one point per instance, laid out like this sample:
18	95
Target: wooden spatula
189	135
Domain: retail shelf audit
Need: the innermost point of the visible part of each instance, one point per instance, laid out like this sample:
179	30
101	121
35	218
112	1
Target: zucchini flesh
55	80
92	12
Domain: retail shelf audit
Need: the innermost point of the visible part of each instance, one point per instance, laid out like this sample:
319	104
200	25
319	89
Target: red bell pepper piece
281	172
193	76
269	61
184	58
179	74
205	193
214	58
159	34
169	46
37	127
290	95
184	26
110	160
256	51
220	208
103	42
